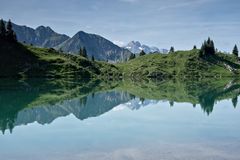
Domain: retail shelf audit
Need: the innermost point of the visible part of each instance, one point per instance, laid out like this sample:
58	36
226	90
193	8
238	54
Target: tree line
6	32
207	49
83	53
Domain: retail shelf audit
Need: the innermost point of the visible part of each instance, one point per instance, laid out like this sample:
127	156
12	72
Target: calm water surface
62	120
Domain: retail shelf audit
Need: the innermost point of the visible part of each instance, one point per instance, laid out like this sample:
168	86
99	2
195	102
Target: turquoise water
115	125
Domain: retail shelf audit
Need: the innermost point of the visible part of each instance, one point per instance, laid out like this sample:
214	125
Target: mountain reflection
42	100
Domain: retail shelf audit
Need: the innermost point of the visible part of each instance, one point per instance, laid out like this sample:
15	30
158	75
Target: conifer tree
2	30
207	48
132	56
235	51
10	34
142	100
171	103
142	53
235	101
9	30
84	52
93	59
212	47
172	50
202	50
80	51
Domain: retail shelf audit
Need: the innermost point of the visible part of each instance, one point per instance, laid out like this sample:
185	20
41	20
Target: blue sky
162	23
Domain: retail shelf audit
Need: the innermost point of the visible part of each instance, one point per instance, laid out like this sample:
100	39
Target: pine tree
235	51
212	48
84	52
132	56
80	51
9	30
234	102
93	59
2	30
142	100
142	53
172	50
207	48
202	50
171	103
10	34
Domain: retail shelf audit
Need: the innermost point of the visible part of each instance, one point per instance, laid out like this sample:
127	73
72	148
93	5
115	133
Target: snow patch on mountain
137	47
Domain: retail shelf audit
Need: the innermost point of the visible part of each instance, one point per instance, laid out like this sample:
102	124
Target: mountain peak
96	45
136	43
81	32
44	28
137	47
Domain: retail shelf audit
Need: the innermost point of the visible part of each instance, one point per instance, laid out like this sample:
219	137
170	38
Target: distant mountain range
41	36
84	108
136	47
136	104
97	46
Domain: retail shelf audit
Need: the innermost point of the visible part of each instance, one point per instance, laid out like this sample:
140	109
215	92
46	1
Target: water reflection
42	101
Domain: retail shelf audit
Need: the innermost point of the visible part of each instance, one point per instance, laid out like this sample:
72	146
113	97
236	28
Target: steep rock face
96	46
46	37
41	36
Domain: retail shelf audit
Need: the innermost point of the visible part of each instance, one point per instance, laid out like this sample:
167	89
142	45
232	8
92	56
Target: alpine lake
69	119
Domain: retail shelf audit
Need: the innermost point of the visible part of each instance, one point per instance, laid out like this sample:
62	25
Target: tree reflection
43	100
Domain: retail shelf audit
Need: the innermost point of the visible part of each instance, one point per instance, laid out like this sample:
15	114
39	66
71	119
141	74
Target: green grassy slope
17	60
180	64
204	92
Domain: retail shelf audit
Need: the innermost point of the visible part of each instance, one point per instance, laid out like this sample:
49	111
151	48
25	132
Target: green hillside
19	60
181	64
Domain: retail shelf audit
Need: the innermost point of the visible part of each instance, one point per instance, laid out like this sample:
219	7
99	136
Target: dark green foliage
132	56
7	34
9	26
235	101
142	53
2	29
18	60
207	48
142	100
235	51
93	59
80	51
171	103
60	50
52	50
172	50
83	52
10	34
